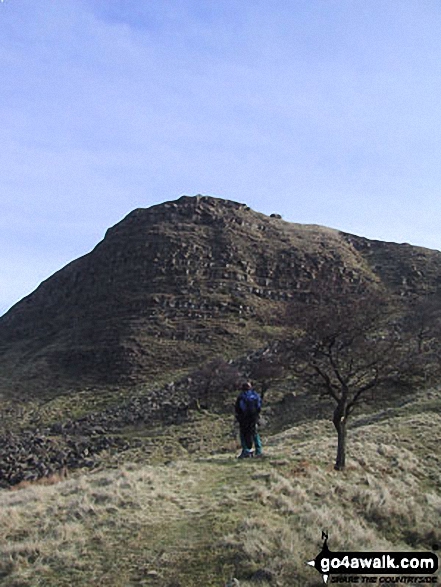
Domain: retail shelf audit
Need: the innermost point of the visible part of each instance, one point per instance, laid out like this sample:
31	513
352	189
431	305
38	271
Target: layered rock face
180	282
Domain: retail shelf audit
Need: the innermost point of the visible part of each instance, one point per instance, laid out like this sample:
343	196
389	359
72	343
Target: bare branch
346	345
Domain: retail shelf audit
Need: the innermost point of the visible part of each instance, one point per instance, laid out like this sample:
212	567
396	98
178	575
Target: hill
179	283
114	471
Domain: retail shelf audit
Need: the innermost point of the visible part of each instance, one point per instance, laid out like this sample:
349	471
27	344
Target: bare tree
265	371
213	379
423	321
347	345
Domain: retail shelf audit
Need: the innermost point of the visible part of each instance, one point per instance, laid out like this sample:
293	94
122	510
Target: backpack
250	403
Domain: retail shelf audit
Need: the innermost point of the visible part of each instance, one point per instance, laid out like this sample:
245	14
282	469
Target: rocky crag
169	288
175	284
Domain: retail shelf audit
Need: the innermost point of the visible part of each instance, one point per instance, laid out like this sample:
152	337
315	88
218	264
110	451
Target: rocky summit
182	282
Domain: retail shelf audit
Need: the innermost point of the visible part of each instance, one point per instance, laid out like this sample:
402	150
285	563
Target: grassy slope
198	520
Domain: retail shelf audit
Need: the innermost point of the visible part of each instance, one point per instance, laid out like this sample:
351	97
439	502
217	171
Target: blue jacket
248	405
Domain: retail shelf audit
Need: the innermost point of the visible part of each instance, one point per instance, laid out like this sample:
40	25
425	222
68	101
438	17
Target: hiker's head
246	386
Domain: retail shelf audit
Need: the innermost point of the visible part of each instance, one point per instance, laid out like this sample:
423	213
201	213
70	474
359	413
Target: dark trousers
249	435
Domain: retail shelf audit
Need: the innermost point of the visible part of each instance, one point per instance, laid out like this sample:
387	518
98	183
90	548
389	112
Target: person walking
247	408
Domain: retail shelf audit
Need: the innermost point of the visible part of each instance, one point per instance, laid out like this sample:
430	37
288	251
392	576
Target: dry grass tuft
50	480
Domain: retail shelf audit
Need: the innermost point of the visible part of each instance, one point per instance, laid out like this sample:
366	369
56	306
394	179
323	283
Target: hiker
248	406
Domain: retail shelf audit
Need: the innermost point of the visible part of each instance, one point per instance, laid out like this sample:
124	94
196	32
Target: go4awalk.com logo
357	564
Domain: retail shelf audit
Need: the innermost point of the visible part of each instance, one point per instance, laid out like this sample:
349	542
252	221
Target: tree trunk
340	419
341	446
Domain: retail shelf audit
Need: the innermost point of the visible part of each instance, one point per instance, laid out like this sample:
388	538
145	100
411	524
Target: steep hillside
178	283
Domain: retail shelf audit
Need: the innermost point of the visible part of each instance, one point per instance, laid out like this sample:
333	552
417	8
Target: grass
205	517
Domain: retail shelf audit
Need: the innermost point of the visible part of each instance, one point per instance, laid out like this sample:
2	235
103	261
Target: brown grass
206	518
50	480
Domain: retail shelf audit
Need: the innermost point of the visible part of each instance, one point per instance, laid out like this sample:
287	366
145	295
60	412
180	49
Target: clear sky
325	111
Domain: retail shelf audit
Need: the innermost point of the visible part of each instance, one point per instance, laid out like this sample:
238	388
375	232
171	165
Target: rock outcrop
175	284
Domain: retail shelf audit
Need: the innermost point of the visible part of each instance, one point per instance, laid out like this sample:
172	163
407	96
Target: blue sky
325	111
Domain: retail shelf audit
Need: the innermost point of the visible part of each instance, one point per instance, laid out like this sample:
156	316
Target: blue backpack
250	403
